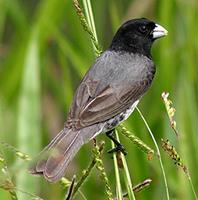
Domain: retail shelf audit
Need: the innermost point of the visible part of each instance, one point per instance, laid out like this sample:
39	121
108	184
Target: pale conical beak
159	31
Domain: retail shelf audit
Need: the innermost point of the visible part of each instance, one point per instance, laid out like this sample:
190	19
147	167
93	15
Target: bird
107	95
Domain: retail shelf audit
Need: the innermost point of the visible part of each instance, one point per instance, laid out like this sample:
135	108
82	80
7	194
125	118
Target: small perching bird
106	96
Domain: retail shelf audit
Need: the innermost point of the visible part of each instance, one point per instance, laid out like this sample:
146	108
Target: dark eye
143	29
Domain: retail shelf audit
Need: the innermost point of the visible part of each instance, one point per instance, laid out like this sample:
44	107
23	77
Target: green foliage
44	52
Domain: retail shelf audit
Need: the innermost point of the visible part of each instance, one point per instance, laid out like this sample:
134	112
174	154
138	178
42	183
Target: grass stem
192	187
158	153
92	23
117	176
127	178
90	20
87	172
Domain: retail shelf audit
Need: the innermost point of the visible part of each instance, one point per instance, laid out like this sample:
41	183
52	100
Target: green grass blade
158	153
28	132
117	175
127	178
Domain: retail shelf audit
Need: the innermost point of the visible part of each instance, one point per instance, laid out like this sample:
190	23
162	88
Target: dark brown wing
111	102
107	104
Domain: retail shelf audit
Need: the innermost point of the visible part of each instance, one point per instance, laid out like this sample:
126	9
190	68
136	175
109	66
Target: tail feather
68	146
38	164
54	159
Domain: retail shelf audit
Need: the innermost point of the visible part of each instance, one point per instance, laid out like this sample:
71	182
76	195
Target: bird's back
111	85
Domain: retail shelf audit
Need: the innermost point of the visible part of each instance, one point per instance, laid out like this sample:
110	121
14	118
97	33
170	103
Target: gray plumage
111	85
107	95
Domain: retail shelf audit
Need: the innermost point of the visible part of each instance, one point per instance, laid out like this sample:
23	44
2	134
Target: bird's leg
119	146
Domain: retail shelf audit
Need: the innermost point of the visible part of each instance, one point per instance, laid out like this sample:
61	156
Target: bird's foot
118	148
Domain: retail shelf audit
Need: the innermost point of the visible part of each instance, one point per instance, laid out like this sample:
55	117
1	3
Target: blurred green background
44	53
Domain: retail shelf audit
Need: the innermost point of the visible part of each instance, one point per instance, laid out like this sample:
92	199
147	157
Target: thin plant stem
87	13
92	23
71	189
101	169
83	196
127	177
87	26
90	20
139	143
192	187
87	172
158	153
84	176
117	175
142	185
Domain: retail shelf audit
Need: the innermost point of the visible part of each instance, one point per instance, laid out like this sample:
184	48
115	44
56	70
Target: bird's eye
143	29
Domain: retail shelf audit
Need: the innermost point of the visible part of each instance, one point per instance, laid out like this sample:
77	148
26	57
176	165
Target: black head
137	36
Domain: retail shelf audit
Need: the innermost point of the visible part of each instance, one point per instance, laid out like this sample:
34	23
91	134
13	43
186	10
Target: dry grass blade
137	141
171	151
170	111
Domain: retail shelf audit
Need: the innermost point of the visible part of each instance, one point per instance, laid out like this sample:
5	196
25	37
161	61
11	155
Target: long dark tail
54	159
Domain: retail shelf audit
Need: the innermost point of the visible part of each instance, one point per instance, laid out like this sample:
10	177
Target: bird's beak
159	31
